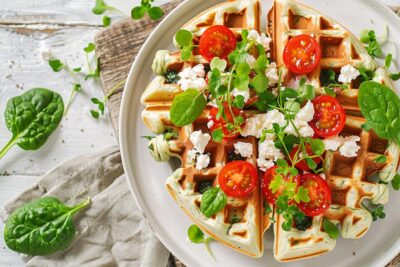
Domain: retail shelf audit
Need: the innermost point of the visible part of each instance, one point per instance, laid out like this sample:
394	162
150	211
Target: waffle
349	178
158	96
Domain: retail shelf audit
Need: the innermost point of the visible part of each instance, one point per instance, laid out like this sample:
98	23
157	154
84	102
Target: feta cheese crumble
347	145
244	149
264	164
258	122
244	93
251	60
262	39
203	160
267	150
193	78
272	74
348	73
210	124
301	120
199	140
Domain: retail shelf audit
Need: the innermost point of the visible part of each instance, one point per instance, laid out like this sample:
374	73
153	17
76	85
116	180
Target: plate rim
186	5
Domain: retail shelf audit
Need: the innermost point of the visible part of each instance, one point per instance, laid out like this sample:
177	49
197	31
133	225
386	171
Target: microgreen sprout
196	236
396	182
100	8
184	38
388	64
377	212
369	39
146	6
102	103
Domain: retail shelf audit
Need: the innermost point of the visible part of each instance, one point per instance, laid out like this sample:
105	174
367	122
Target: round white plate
146	178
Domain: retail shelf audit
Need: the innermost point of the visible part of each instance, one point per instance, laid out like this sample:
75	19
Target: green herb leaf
217	135
217	63
330	228
100	7
41	227
276	183
32	117
238	101
195	234
184	38
187	107
366	75
306	92
396	182
106	21
212	201
156	13
311	164
292	107
302	195
94	114
77	69
267	208
186	53
138	12
260	82
89	48
172	76
317	146
381	159
364	36
381	108
394	76
56	65
388	61
261	64
329	91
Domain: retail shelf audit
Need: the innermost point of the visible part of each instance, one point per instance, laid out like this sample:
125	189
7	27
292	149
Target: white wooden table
28	27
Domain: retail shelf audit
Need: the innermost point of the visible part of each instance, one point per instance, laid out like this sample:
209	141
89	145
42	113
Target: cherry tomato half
302	165
217	41
266	181
302	54
319	193
221	123
329	118
238	178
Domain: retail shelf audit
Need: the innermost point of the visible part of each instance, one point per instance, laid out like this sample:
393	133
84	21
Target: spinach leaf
187	107
32	117
212	201
381	108
42	226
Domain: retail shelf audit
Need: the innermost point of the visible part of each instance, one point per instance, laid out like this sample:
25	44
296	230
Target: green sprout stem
9	145
106	97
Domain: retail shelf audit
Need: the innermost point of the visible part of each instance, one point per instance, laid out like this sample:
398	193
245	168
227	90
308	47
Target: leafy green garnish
171	76
145	6
368	37
187	107
185	39
41	227
212	201
267	208
381	108
32	117
56	65
330	228
106	21
377	212
196	236
90	47
396	182
381	159
100	104
366	75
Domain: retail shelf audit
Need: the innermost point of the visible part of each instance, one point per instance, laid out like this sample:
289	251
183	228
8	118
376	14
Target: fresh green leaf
289	93
106	21
364	36
276	183
260	82
155	13
330	228
311	164
394	76
212	201
186	53
32	117
388	61
302	195
94	114
381	108
41	227
366	75
89	48
217	135
56	65
138	12
261	64
217	63
79	69
281	204
195	234
287	223
184	38
222	89
292	107
282	163
267	208
187	107
264	100
214	82
100	7
396	182
329	91
238	101
381	159
306	92
317	146
77	87
377	212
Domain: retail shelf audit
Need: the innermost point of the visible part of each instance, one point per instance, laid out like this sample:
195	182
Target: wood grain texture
117	47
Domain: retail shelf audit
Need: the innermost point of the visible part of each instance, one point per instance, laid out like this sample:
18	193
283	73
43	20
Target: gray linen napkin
111	231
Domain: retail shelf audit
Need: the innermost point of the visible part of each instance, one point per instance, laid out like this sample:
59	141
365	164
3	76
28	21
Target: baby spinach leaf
41	227
330	228
32	117
212	201
381	108
187	107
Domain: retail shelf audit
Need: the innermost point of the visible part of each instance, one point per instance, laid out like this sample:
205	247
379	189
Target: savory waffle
349	178
241	223
236	15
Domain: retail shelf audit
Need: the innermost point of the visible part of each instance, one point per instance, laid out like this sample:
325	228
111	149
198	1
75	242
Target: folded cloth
112	230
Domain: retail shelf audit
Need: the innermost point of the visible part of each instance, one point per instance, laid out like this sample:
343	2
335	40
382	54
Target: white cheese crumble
272	74
244	93
258	122
210	124
251	60
267	150
193	78
347	145
199	140
264	164
348	73
301	120
192	155
244	149
202	161
262	39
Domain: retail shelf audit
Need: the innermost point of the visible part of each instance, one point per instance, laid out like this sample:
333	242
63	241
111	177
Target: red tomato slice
302	165
319	193
329	118
266	181
221	123
217	41
302	54
238	178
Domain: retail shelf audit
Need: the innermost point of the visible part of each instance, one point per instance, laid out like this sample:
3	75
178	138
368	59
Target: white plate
146	177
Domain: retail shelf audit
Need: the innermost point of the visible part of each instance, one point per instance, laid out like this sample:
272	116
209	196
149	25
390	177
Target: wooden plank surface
117	47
